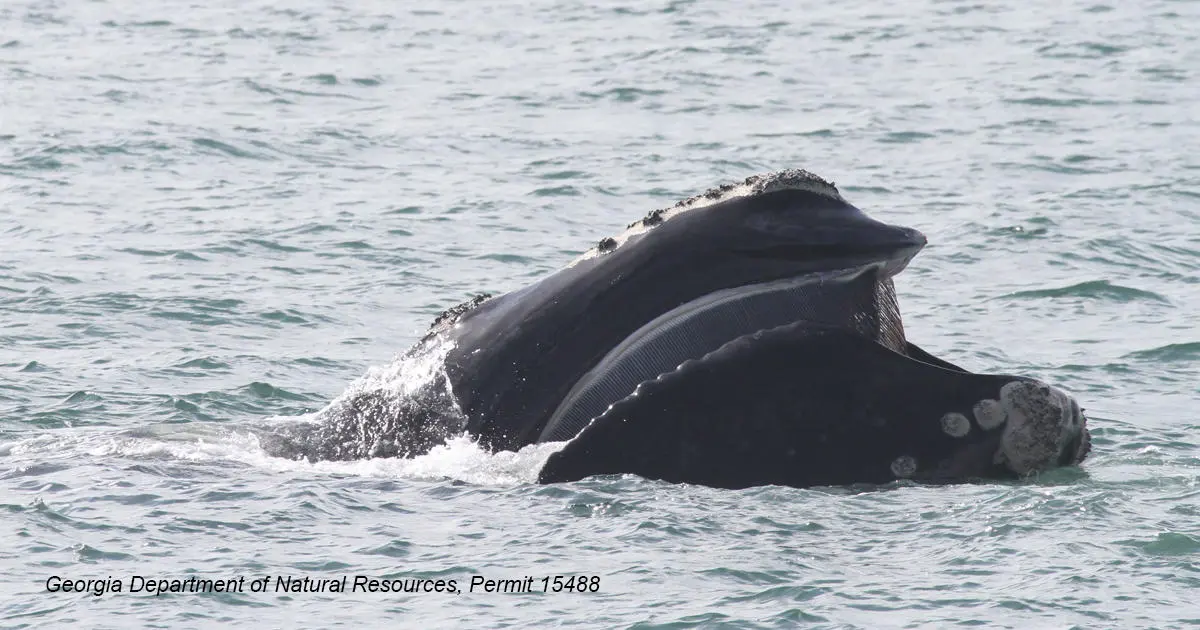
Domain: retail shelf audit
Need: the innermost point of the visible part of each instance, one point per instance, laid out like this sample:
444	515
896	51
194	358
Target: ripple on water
1097	289
1175	352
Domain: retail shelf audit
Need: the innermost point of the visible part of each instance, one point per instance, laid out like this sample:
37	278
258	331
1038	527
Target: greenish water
215	216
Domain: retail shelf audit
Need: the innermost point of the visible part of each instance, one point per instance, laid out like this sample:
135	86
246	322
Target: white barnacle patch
988	413
904	466
791	179
1037	416
955	424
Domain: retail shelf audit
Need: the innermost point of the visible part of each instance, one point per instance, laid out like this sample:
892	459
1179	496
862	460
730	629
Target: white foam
460	458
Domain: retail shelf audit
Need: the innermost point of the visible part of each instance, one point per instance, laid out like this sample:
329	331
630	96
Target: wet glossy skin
516	356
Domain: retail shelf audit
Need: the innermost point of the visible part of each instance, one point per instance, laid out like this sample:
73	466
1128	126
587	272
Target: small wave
1169	353
1096	289
210	145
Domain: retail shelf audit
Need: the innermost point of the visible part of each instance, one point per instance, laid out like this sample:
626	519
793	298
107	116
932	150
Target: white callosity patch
989	414
955	424
1038	418
904	466
790	179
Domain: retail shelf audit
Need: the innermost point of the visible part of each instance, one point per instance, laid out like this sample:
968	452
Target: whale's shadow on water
747	336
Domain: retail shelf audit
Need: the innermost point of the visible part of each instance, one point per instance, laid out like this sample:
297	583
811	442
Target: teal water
217	216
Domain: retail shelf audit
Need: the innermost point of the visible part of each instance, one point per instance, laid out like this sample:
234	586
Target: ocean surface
218	216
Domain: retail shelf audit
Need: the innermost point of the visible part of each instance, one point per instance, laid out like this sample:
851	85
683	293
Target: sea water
216	216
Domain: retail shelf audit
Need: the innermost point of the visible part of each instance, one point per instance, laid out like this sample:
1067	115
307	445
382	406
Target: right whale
746	336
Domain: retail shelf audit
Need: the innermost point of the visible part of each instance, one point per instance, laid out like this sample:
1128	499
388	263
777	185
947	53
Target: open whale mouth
743	337
860	299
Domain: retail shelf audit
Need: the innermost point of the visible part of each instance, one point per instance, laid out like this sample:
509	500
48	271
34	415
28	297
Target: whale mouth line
886	252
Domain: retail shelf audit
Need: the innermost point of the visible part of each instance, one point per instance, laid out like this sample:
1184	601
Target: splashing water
459	458
396	421
401	410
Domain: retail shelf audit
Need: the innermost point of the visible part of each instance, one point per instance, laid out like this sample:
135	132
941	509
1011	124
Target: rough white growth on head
988	413
790	179
955	424
904	466
1039	417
